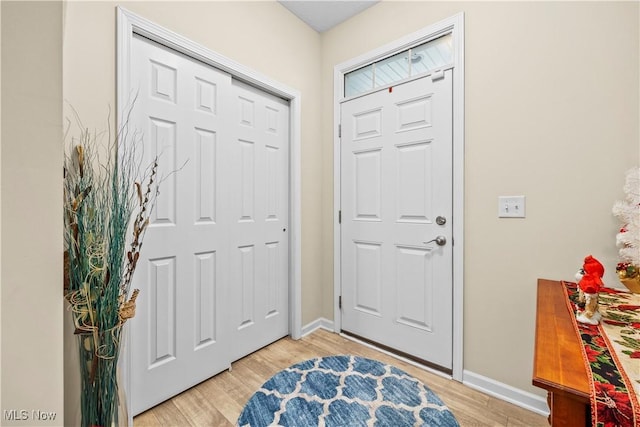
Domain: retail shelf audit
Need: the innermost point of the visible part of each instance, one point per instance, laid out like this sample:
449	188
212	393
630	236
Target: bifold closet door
213	272
260	216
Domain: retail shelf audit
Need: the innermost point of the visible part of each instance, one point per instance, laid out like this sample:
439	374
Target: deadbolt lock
440	220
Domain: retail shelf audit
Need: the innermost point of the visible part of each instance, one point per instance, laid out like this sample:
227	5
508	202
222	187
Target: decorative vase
102	398
632	284
106	199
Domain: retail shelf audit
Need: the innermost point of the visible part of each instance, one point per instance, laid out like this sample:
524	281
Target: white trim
129	23
458	196
295	220
521	398
319	323
455	26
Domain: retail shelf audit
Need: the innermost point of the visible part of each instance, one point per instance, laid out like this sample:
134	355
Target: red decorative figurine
589	282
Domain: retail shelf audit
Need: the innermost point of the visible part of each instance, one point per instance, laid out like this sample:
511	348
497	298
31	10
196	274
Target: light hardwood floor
218	401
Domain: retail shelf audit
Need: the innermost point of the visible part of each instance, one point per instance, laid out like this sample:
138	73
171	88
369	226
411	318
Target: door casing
129	23
455	26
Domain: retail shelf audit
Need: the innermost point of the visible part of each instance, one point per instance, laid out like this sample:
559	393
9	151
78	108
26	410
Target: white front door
396	199
215	257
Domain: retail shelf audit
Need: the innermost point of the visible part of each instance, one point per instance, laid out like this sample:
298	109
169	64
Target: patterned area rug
344	391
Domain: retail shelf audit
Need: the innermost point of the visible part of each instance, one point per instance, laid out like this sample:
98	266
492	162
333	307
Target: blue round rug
344	391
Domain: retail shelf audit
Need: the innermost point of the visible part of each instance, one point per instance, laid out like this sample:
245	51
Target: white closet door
179	335
260	219
213	272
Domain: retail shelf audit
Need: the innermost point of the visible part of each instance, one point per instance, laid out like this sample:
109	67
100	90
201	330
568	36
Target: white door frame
455	26
129	24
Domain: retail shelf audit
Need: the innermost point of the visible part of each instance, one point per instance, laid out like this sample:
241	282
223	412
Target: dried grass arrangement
108	199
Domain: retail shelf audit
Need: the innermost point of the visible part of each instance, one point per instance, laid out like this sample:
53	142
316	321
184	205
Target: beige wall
261	35
31	226
551	105
551	112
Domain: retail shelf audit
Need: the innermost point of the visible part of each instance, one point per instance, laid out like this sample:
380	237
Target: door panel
178	333
368	277
214	269
396	171
259	231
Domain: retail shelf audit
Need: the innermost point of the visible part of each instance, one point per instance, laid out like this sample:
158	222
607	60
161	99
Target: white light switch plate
511	206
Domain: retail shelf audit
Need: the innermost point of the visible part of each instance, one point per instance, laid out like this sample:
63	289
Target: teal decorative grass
106	214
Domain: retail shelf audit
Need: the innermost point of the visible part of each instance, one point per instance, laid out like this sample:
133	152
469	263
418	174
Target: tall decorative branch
107	197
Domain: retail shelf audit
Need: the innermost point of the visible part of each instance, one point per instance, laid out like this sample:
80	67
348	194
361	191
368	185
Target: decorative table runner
611	351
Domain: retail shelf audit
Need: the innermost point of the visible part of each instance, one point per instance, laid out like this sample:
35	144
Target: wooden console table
558	366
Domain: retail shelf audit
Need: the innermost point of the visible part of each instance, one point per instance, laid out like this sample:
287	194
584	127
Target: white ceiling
322	15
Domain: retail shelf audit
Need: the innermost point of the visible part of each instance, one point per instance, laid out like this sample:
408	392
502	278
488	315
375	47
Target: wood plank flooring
218	401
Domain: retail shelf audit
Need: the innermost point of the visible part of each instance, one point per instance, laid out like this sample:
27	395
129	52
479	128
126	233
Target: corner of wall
31	380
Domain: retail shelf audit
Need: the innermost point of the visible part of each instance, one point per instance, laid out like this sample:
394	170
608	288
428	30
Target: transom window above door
420	59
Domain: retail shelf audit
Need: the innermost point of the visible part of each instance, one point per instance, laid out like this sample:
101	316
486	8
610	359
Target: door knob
440	241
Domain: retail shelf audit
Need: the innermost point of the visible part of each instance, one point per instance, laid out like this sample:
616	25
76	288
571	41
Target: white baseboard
320	323
505	392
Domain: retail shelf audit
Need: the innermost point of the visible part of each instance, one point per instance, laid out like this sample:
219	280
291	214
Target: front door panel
396	169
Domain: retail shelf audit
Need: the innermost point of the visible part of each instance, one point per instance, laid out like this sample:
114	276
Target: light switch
511	207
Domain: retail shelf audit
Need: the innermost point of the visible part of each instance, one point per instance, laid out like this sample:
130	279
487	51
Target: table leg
566	411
